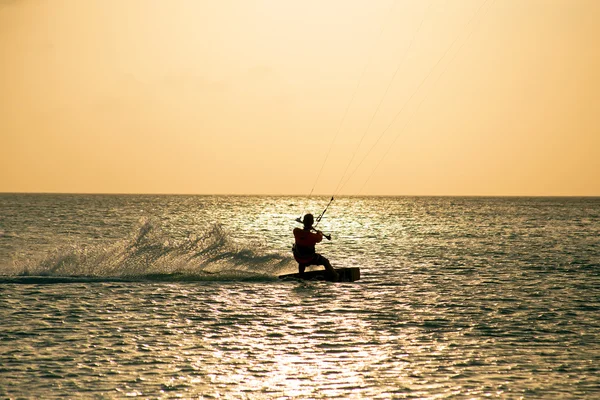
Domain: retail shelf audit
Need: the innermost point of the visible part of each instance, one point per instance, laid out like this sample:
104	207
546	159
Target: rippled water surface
175	296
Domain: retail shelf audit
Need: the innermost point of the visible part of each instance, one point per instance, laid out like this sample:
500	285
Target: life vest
304	248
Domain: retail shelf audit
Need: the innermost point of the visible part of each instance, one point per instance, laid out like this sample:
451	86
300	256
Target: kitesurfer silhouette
304	248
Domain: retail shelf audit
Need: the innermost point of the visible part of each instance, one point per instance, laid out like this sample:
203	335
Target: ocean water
177	297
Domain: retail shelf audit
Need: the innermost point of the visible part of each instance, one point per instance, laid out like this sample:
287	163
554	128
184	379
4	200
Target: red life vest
304	249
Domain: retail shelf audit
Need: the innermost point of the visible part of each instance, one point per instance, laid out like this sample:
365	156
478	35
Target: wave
47	280
149	254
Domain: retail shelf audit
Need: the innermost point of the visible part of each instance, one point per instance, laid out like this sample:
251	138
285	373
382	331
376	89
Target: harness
303	254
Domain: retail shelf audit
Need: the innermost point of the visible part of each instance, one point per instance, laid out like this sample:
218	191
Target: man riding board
304	248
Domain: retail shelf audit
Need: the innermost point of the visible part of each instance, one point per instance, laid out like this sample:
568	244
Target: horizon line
298	195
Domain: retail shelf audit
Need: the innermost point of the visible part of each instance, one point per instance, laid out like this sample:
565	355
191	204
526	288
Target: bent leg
330	270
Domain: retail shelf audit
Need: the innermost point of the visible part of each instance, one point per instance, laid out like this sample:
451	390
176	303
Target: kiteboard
345	275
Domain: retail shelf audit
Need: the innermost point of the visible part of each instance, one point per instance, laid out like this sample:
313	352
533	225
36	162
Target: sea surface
117	296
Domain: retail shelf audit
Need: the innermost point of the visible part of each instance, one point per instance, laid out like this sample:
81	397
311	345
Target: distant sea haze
107	296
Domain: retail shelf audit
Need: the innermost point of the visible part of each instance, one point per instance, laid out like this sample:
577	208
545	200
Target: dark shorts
316	260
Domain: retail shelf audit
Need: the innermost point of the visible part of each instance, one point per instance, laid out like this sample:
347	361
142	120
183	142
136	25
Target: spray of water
148	253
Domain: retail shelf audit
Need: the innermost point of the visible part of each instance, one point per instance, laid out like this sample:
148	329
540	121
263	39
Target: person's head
308	220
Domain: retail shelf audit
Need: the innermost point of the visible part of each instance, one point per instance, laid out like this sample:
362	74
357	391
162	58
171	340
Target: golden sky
488	97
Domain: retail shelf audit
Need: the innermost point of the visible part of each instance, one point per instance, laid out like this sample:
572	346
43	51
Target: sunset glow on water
458	297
